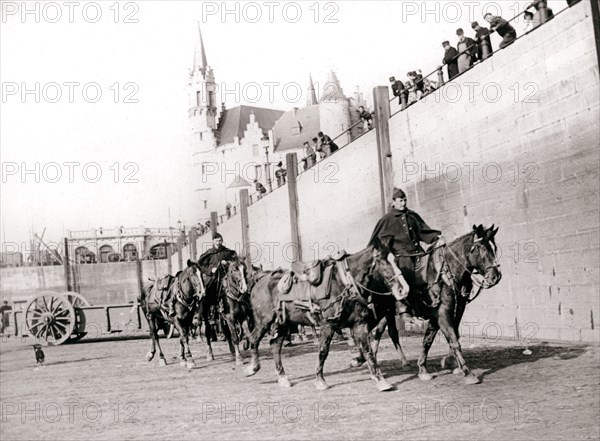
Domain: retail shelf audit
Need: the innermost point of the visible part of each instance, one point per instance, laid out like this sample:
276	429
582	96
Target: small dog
39	355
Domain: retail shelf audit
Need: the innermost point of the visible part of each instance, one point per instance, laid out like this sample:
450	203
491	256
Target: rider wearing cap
407	229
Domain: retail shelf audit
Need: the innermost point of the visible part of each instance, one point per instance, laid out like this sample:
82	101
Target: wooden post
292	176
213	222
245	227
180	251
168	253
140	280
66	265
403	100
384	150
193	244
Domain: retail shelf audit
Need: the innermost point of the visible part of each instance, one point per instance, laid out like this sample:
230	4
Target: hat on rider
398	194
217	236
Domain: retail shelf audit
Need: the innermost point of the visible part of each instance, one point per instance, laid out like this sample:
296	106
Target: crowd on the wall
469	50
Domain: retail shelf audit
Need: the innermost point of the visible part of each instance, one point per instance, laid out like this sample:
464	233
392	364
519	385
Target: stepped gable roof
285	137
234	121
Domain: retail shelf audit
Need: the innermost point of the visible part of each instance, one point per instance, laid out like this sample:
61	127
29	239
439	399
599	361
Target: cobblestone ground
106	390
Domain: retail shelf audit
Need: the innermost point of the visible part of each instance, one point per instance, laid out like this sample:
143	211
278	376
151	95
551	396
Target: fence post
291	160
66	265
180	252
213	222
440	74
245	227
168	253
384	150
140	279
193	239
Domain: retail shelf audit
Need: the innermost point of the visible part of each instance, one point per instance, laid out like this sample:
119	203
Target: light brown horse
346	307
188	291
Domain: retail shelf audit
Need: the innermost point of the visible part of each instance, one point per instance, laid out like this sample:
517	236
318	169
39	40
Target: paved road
106	390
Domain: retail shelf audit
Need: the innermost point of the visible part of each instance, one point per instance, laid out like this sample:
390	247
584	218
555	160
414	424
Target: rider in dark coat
407	229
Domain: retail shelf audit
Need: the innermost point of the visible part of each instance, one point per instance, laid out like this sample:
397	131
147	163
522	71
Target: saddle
161	291
310	272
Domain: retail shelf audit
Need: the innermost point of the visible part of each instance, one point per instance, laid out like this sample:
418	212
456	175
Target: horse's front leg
428	339
184	343
447	327
362	335
208	336
395	337
262	327
233	339
324	343
276	345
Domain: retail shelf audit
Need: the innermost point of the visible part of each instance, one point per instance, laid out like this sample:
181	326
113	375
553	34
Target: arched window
129	252
83	255
105	250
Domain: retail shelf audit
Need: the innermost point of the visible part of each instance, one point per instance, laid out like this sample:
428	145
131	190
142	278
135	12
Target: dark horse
188	290
346	307
470	259
230	297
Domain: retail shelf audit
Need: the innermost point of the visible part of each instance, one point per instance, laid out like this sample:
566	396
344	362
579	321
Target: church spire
311	100
200	62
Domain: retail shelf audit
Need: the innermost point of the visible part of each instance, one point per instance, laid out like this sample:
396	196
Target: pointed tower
202	101
203	115
311	100
334	111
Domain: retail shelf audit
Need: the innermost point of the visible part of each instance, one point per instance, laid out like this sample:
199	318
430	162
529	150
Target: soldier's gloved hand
214	270
223	262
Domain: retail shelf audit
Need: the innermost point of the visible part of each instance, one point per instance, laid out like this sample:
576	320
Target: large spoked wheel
50	318
78	302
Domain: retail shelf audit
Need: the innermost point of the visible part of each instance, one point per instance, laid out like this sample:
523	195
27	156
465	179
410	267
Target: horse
229	297
468	258
188	290
346	305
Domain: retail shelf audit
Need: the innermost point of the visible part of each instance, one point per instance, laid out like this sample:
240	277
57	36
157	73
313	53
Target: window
255	150
297	128
198	99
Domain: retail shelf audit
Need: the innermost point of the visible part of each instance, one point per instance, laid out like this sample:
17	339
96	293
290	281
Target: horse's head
481	255
235	276
192	275
383	274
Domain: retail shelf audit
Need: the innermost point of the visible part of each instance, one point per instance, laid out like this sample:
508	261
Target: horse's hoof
425	376
404	363
210	357
190	365
251	370
162	362
383	385
149	356
457	371
472	379
239	362
321	385
357	362
182	363
284	382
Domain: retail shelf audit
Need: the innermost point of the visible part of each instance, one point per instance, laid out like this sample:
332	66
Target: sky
94	129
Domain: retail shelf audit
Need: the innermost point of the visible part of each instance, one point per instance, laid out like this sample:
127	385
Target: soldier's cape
389	226
211	258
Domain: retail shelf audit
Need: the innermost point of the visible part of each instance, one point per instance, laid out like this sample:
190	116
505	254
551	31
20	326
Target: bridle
229	291
179	294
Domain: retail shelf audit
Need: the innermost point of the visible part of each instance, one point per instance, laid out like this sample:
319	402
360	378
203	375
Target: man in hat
407	229
450	59
484	43
399	89
280	174
467	50
504	29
